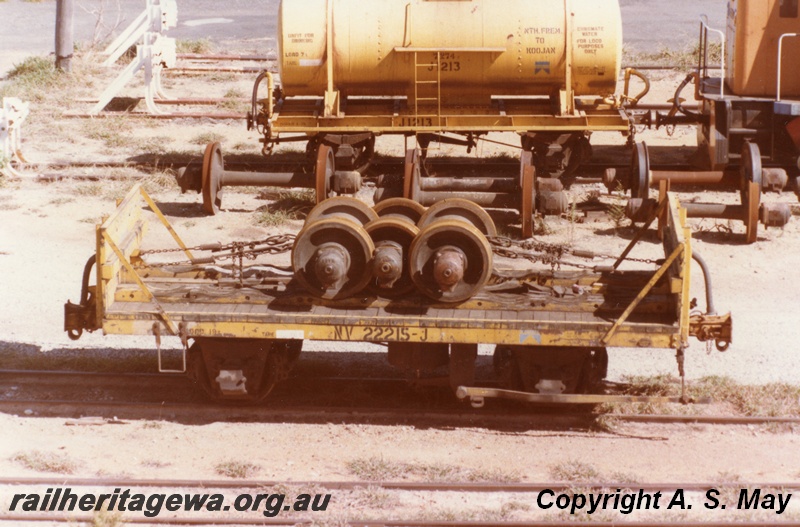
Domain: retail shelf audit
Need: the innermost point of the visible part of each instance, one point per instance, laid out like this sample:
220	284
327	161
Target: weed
774	399
679	58
152	463
46	462
95	188
375	498
239	147
114	133
232	100
624	477
61	201
160	181
156	425
574	471
198	46
33	79
107	519
10	206
237	469
541	228
377	469
288	205
207	138
154	145
616	210
771	400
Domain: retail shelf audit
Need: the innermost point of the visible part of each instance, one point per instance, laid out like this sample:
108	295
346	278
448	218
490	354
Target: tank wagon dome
481	48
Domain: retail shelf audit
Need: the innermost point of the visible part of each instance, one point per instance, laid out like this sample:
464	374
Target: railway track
212	520
464	488
428	486
175	396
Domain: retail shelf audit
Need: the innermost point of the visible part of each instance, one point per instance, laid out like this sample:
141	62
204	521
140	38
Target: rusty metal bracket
712	327
656	277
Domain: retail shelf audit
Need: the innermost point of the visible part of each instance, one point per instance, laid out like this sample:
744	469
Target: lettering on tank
589	39
543	45
301	38
542	30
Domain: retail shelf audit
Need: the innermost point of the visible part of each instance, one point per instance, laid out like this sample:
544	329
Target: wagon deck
540	310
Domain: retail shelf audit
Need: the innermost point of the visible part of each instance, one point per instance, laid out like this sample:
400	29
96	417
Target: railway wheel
750	169
241	371
450	260
459	209
528	195
640	172
411	174
392	237
323	175
211	177
331	257
551	369
343	207
401	208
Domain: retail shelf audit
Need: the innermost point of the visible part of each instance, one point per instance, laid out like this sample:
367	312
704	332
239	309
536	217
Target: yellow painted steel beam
165	222
552	334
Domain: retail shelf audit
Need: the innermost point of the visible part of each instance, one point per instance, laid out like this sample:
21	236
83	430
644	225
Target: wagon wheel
459	209
411	174
751	203
213	167
640	172
324	173
450	260
331	257
400	208
528	197
750	169
343	207
392	237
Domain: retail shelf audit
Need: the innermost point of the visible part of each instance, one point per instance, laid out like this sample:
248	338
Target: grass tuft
574	471
206	138
46	462
681	59
287	205
33	79
237	469
379	469
107	519
199	46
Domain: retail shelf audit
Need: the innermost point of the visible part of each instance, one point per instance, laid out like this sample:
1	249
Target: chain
235	251
549	253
